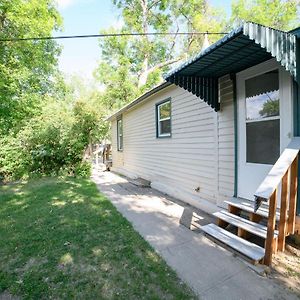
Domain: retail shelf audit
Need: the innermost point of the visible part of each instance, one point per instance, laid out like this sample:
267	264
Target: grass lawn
61	239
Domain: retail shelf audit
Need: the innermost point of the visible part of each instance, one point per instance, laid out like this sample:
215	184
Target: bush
50	144
13	160
83	169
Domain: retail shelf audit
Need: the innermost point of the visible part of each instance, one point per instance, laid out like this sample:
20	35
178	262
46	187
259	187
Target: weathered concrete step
248	206
250	250
249	226
140	182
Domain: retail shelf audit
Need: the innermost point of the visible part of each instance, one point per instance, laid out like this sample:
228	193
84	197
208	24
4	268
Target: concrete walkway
211	271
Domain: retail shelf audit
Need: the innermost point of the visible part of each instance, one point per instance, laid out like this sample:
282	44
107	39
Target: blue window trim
235	111
156	118
296	108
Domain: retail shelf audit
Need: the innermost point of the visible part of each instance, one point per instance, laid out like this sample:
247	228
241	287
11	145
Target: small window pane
263	143
121	143
120	134
262	96
163	115
165	127
120	126
165	110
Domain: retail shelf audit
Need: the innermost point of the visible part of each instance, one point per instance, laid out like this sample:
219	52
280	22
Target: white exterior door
264	122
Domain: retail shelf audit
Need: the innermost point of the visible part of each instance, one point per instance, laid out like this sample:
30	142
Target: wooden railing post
107	152
293	197
285	172
269	244
283	212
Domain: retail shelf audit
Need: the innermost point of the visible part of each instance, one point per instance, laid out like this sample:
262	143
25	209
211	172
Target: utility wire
104	35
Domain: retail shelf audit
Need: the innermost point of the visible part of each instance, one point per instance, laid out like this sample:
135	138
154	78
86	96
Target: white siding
226	140
190	158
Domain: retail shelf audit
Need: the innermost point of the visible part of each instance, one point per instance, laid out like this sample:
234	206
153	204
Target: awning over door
244	47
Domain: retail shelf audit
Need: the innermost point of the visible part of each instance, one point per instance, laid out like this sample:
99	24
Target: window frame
158	120
120	136
266	119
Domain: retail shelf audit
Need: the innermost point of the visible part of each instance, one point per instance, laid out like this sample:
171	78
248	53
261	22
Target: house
221	131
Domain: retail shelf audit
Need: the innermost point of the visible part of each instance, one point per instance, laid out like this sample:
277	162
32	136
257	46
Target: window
263	118
163	116
120	134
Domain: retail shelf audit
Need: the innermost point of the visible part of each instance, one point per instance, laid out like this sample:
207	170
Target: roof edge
232	34
140	99
295	31
252	31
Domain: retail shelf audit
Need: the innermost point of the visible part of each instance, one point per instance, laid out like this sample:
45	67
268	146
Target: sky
80	56
83	17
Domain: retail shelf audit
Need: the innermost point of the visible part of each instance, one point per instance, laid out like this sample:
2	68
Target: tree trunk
144	72
146	69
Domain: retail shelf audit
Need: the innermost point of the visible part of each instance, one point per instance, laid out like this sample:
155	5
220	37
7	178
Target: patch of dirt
286	267
31	263
8	296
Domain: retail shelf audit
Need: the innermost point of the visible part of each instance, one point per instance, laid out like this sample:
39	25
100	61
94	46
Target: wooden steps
248	206
241	215
247	225
277	195
251	250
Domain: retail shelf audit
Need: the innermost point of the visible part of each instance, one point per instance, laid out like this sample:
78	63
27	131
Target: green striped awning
242	48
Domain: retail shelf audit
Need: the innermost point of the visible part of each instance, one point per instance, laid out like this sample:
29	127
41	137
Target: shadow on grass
61	239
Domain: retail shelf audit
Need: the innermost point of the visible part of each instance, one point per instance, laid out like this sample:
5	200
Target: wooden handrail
284	171
273	179
293	197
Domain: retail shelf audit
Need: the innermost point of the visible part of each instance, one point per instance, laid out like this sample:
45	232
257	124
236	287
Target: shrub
14	160
83	169
51	143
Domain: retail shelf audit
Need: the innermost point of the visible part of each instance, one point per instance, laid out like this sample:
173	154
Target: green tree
130	65
146	52
279	14
54	141
270	108
116	72
27	68
197	16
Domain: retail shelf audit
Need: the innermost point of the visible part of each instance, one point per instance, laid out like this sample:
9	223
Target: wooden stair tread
248	206
264	205
253	251
249	226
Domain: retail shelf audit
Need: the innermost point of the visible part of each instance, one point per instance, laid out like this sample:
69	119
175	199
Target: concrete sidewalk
211	271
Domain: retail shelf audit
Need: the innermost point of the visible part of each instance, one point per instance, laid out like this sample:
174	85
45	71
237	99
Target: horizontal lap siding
226	140
200	152
181	163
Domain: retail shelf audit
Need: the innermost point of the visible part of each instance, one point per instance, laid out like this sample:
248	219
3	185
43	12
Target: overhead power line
103	35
